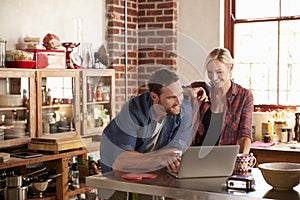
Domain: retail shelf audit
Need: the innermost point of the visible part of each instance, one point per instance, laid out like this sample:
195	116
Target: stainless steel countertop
197	188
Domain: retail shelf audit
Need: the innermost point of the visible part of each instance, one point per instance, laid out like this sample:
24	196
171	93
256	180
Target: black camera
240	182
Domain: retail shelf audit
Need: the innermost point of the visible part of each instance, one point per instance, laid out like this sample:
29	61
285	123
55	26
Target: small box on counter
49	58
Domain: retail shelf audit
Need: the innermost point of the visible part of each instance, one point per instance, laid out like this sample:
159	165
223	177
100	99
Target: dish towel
262	144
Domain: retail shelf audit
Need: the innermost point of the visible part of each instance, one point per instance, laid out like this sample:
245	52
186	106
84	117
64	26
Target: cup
244	164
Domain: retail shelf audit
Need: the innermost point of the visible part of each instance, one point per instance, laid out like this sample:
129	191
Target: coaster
138	176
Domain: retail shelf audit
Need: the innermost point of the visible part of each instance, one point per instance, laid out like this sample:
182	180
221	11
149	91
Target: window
264	38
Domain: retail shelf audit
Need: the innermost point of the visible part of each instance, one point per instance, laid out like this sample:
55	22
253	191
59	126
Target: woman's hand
196	92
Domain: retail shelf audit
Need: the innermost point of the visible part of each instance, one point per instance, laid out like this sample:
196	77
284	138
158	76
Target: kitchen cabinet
17	107
81	101
58	109
98	100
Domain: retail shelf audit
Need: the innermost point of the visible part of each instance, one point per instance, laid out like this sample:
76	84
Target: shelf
12	108
80	190
56	106
98	102
44	198
17	162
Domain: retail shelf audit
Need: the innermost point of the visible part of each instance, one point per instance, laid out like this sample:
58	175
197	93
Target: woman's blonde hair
221	54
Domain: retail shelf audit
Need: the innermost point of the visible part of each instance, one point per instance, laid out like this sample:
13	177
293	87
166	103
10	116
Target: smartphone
240	182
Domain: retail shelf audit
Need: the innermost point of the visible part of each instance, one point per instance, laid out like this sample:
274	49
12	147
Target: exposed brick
155	40
146	61
170	4
146	19
164	19
145	6
149	46
169	12
156	25
155	54
154	12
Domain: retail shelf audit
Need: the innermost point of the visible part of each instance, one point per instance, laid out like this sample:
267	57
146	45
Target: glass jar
278	125
52	123
62	125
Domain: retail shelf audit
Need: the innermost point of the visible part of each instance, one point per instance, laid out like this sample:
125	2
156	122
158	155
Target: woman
227	116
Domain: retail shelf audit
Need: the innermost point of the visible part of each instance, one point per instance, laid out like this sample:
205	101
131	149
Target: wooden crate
56	142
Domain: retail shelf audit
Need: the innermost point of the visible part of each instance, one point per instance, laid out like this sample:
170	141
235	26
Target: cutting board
56	142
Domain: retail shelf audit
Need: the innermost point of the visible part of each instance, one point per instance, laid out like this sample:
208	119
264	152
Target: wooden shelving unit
61	162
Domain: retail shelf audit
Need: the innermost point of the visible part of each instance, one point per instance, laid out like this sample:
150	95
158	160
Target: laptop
207	161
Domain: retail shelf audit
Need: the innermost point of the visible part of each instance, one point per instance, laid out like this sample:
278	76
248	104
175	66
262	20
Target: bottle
25	98
99	95
267	138
75	174
43	96
297	127
289	134
48	97
275	138
89	91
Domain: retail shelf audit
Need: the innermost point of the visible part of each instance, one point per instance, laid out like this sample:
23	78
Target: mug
244	164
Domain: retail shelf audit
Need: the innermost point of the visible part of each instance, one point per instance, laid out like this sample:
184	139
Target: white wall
36	18
200	29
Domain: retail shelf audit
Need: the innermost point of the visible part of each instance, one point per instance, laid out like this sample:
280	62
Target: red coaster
138	176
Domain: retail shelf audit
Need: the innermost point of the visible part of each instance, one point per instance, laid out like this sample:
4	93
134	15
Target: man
151	129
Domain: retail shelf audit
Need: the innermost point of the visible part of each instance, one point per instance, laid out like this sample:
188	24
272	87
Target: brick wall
151	41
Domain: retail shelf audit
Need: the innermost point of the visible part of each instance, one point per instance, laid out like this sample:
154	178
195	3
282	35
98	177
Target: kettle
2	52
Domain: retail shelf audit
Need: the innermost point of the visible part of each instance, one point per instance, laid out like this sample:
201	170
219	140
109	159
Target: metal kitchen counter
196	188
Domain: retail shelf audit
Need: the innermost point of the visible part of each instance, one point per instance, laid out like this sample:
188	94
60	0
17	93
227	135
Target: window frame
230	20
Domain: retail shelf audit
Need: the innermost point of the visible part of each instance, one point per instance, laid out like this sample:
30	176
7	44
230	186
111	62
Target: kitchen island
195	188
281	152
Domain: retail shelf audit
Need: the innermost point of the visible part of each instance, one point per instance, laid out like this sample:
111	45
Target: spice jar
284	135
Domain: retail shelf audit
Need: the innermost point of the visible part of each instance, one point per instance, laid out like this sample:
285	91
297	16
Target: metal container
16	193
2	52
14	181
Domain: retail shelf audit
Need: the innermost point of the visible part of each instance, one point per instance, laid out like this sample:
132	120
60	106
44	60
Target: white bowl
281	175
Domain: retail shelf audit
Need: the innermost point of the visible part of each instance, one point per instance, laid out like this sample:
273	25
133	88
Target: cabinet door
57	101
98	100
17	107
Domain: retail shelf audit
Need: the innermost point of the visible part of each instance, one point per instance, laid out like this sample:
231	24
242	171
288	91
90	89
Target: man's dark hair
160	78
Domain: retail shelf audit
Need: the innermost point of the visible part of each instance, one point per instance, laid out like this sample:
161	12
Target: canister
2	52
278	125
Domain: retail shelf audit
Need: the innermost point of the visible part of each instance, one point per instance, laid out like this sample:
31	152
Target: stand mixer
72	60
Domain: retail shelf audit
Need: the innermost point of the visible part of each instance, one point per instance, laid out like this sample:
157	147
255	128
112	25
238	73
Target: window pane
289	68
255	56
290	7
257	8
